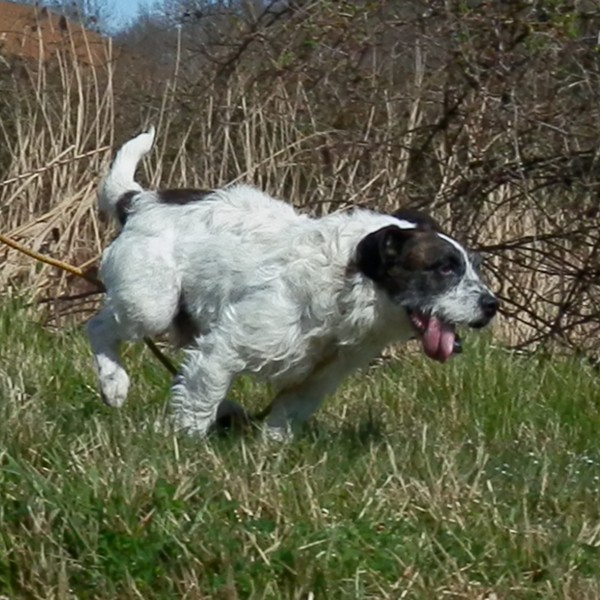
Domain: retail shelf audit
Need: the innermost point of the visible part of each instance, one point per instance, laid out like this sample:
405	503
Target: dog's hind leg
142	301
127	318
207	372
103	333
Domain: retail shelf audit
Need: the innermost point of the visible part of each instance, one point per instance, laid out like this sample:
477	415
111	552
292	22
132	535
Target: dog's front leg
206	375
296	404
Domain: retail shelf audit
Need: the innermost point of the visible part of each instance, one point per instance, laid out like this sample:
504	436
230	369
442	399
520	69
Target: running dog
248	285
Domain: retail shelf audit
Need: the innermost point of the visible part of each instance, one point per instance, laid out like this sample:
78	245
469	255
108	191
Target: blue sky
125	10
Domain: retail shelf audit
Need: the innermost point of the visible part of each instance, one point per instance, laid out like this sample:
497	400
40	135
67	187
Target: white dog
248	285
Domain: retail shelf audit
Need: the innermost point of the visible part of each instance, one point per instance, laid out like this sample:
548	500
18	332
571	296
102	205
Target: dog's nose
489	305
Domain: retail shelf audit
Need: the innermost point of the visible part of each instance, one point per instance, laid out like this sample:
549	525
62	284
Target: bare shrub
486	114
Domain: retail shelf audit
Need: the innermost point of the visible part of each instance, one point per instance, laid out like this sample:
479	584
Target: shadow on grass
367	431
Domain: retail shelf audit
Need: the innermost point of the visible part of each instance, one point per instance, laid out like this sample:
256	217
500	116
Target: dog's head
431	276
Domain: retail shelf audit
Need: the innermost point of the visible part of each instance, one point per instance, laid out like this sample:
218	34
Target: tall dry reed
491	167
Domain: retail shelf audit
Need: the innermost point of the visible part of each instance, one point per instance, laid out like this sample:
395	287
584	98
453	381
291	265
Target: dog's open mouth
440	340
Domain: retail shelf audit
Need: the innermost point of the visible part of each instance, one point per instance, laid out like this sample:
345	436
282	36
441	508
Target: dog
248	285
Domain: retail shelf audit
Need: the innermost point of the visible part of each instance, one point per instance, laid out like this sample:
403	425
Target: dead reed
459	150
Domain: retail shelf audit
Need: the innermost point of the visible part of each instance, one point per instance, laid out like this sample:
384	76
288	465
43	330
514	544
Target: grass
417	480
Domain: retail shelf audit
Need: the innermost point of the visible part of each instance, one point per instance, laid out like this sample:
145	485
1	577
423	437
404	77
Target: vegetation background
476	480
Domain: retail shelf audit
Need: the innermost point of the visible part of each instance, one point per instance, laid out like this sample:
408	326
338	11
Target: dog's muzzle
439	338
489	307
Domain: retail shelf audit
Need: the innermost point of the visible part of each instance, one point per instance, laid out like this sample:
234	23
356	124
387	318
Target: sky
125	10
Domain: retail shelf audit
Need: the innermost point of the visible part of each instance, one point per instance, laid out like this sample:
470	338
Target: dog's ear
378	254
421	220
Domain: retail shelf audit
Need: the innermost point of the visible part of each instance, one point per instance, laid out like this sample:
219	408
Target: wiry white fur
273	292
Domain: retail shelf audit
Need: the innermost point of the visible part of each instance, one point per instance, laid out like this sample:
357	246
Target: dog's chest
326	352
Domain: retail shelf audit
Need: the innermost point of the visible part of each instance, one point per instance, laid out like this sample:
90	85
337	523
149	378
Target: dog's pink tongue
438	340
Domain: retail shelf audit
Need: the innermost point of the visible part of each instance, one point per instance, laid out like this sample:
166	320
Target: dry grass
64	121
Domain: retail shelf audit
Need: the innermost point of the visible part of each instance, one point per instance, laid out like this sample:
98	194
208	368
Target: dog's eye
447	267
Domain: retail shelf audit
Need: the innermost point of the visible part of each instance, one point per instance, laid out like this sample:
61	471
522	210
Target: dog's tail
120	178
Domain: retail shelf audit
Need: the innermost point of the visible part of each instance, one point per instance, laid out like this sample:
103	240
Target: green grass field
477	479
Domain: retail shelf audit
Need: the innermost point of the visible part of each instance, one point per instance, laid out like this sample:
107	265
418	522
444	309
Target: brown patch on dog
427	249
409	263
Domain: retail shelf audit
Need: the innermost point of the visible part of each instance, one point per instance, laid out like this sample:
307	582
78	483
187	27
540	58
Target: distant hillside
36	33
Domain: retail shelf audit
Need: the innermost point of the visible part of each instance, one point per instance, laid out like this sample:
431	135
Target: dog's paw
278	434
114	388
188	423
